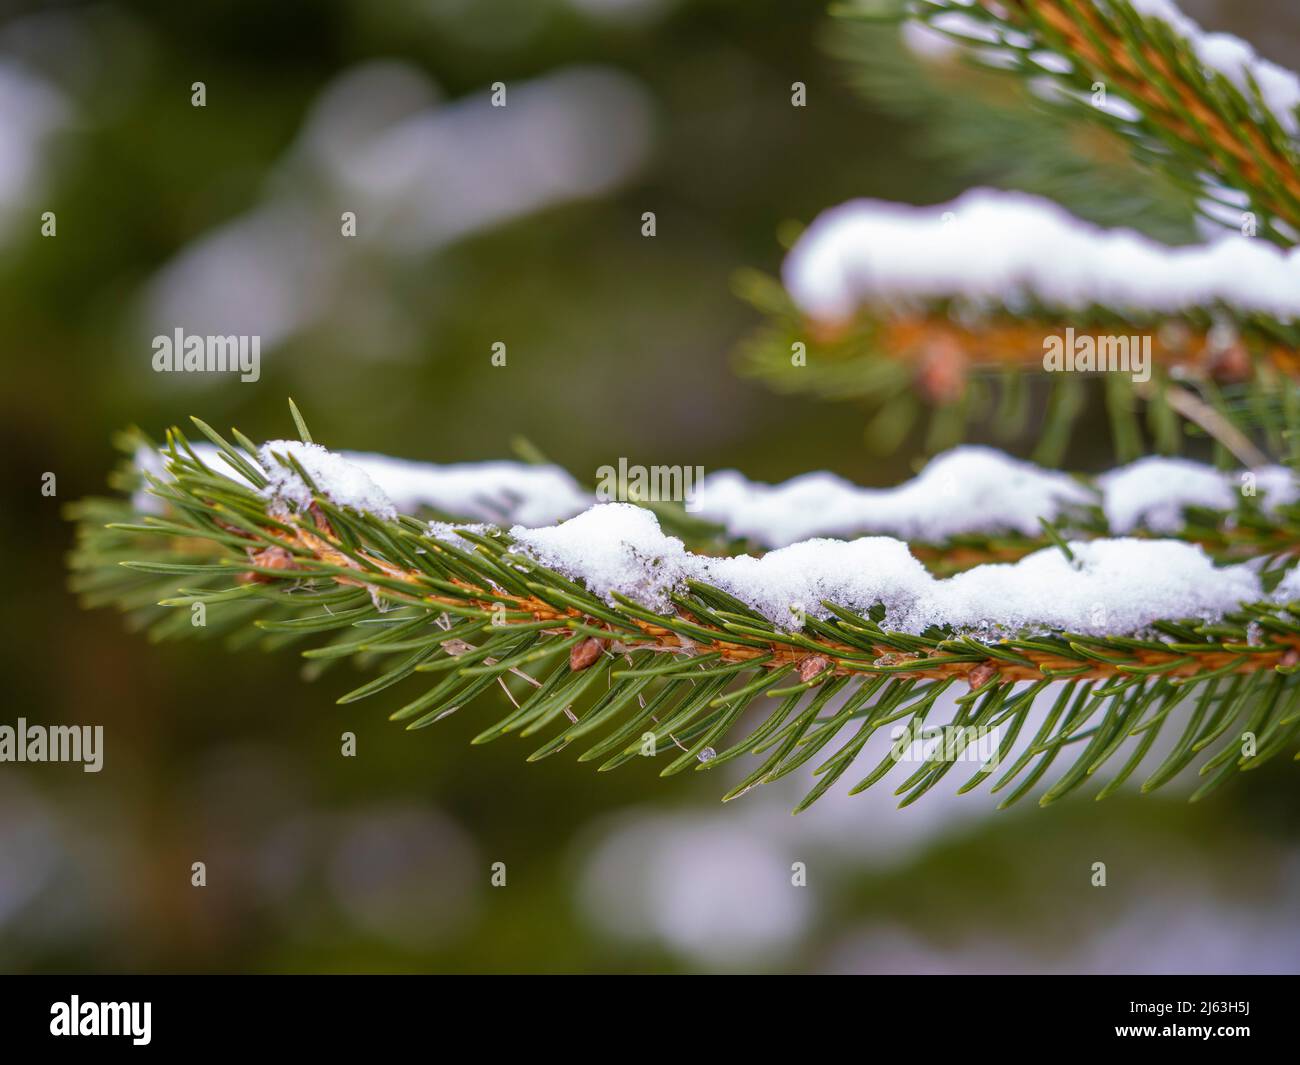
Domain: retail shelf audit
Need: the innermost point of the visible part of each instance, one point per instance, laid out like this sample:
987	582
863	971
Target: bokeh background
480	225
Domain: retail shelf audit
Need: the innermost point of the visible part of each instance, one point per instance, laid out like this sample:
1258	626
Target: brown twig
840	659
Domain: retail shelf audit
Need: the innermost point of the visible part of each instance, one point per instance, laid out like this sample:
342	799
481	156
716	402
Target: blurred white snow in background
32	112
418	174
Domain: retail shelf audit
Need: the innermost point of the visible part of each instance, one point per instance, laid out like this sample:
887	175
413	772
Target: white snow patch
342	482
1153	492
502	493
1288	591
1118	585
995	248
970	489
1112	586
493	492
966	490
1277	484
449	532
613	547
855	574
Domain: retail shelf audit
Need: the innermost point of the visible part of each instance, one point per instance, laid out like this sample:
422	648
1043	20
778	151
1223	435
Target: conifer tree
1077	619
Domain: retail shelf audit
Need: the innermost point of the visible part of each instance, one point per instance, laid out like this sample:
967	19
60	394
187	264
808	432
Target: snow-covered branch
970	490
1014	253
675	644
1093	587
1203	106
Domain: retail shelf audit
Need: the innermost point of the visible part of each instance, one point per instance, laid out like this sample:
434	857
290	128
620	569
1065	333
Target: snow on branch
1095	588
1203	106
1106	587
607	603
1009	251
1152	493
344	483
501	493
1223	53
979	490
969	490
1220	53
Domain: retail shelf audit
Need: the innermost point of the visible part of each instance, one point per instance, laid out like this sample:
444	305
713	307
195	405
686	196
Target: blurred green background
476	225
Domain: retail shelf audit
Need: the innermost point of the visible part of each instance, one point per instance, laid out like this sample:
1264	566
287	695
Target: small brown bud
585	653
1230	364
1290	658
941	377
811	666
981	675
268	558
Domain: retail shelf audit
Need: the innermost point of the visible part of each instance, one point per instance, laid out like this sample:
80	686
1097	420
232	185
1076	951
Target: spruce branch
1203	113
982	126
1194	114
476	612
953	374
945	305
